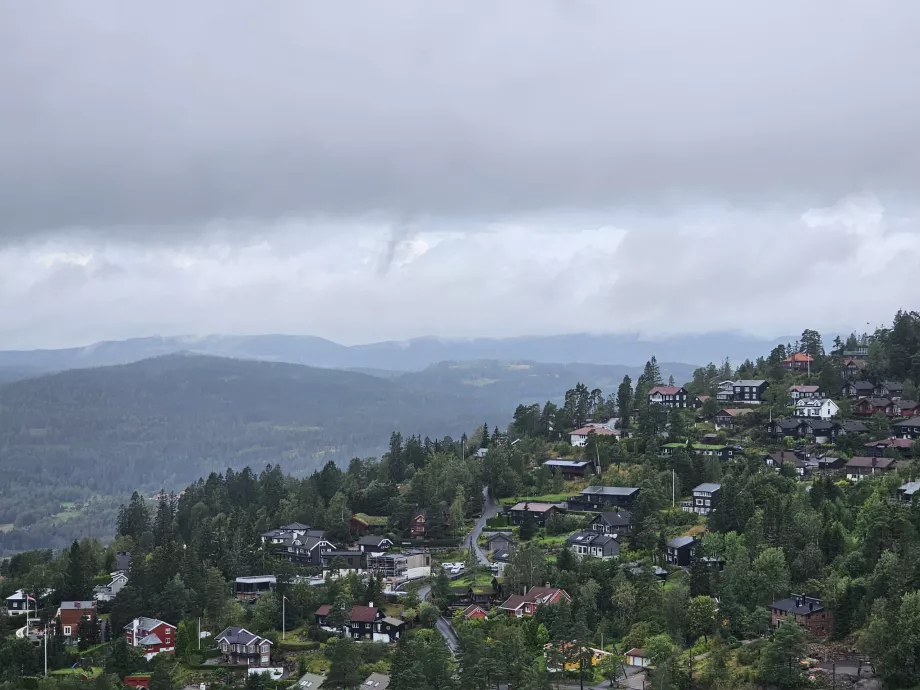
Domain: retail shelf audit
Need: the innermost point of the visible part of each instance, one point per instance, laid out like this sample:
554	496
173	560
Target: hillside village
753	527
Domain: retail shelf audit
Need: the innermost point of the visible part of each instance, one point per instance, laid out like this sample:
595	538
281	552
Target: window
66	629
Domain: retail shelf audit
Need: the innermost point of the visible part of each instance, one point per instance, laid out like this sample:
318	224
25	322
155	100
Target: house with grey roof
593	544
238	646
749	391
681	551
570	469
599	498
705	499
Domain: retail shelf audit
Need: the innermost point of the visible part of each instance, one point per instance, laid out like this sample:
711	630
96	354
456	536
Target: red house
867	407
151	636
526	605
72	613
137	681
798	362
475	611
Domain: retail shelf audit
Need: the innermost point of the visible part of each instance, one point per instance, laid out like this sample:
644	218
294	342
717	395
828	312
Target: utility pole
283	617
199	633
673	488
45	638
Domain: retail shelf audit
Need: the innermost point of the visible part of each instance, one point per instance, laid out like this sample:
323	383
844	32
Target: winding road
489	510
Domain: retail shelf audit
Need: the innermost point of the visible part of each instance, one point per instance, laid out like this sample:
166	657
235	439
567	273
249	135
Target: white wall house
811	407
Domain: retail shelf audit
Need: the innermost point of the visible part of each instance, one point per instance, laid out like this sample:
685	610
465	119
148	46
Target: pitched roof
559	462
636	651
473	608
599	430
609	491
805	389
665	390
363	614
679	542
591	537
389	620
77	605
615	518
799	357
913	421
887	442
535	595
145	623
798	605
323	610
750	382
508	536
371	540
150	639
862	385
910	488
708	486
854	426
376	681
235	635
734	412
880	463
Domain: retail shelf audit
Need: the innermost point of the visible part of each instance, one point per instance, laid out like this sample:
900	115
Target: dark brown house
808	612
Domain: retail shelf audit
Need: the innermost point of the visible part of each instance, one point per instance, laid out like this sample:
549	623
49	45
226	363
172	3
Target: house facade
604	498
749	391
579	437
807	612
866	407
909	428
108	592
612	522
249	587
593	544
714	451
725	419
858	389
370	543
797	393
418	524
669	396
570	469
861	467
362	623
705	499
240	647
150	636
822	408
524	605
540	512
501	541
73	613
681	551
798	361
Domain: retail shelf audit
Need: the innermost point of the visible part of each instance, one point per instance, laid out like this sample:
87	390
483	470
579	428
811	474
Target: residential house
797	393
579	437
240	647
303	547
798	361
108	592
371	543
594	544
389	629
150	636
909	428
310	681
780	458
669	396
722	452
780	428
19	602
137	681
362	623
521	605
725	391
705	499
808	612
725	419
852	367
858	389
540	512
822	408
825	465
822	430
376	681
501	541
866	407
418	523
860	467
481	452
888	389
604	498
570	469
637	657
249	587
851	426
907	492
876	449
681	551
72	614
476	612
320	618
749	391
280	535
700	400
860	352
615	521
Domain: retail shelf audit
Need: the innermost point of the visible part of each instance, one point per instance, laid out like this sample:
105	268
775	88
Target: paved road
448	633
490	510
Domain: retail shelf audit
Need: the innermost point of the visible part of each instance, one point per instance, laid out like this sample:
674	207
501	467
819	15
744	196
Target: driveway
489	510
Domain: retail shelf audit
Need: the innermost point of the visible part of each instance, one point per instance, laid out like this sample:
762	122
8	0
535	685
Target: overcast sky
383	170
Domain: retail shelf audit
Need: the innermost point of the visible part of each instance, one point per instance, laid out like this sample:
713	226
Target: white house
108	592
579	437
811	407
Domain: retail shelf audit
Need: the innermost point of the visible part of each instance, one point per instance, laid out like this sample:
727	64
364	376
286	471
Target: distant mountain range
410	356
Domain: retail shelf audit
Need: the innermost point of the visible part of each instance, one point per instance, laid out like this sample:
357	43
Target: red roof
323	610
665	390
363	614
800	357
534	596
472	610
896	442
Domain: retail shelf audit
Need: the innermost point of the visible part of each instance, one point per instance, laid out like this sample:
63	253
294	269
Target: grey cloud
165	120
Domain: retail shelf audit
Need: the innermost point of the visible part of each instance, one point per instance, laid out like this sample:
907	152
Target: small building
310	681
418	524
593	544
822	408
808	612
889	389
109	591
73	613
151	636
637	657
525	605
824	431
612	522
851	426
858	389
579	437
501	541
362	623
725	419
540	512
475	612
749	391
798	361
681	551
570	469
320	616
705	499
407	564
877	449
907	492
909	428
797	393
19	603
868	406
239	647
250	587
566	656
860	467
852	367
907	408
780	428
604	498
370	543
389	629
137	681
669	396
722	452
780	458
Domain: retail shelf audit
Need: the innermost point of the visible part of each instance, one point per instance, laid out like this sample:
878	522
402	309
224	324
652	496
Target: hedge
297	646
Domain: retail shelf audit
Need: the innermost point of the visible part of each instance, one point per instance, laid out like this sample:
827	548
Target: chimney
548	585
811	606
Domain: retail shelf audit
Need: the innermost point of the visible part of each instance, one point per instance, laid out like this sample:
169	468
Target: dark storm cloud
160	120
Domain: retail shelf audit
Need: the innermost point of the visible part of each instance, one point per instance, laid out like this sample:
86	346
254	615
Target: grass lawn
545	498
474	580
94	671
551	542
373	520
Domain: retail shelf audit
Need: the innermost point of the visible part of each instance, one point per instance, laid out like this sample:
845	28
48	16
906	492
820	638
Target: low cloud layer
385	170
